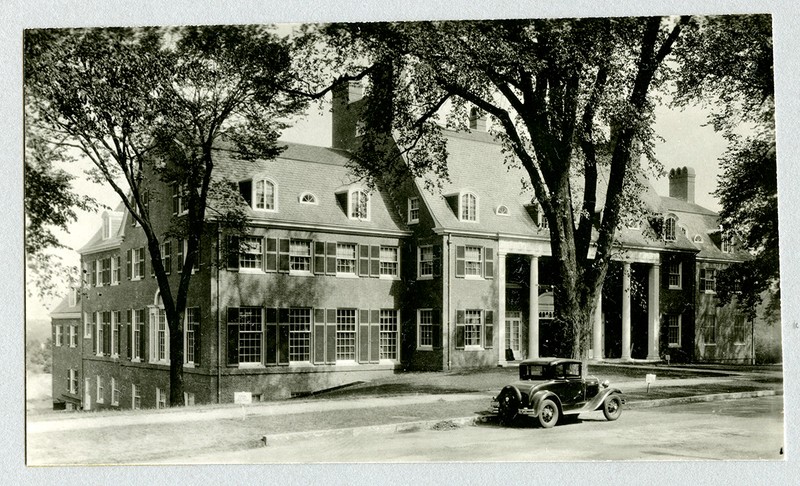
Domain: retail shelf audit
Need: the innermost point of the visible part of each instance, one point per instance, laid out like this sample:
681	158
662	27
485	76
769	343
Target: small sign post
244	398
649	378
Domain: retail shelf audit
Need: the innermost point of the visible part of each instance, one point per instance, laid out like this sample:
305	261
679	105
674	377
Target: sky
686	143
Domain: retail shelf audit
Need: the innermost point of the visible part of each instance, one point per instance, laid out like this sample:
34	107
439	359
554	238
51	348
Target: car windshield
534	372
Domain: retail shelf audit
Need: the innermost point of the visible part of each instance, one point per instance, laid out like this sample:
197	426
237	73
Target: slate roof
703	222
97	243
63	309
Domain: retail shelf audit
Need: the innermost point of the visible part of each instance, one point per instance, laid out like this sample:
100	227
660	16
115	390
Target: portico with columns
539	307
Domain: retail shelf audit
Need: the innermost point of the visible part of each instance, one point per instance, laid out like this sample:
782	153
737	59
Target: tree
566	96
728	60
147	105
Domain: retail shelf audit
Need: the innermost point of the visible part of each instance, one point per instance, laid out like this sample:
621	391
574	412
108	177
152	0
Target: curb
406	427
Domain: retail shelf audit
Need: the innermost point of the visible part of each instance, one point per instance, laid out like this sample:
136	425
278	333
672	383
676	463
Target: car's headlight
605	383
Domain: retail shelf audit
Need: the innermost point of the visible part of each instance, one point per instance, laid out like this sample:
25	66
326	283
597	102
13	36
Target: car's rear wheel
548	414
508	407
612	407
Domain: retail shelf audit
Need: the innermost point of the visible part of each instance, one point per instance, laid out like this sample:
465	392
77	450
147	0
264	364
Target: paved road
733	429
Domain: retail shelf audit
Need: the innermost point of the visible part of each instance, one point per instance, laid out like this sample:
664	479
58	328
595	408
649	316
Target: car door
573	393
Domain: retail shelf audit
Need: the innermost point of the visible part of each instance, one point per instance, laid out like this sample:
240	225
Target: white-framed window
469	207
502	210
725	244
675	274
358	207
166	256
101	318
115	268
73	336
114	392
159	336
137	320
107	227
191	325
698	239
472	327
136	397
308	198
72	381
346	258
473	261
188	399
674	330
300	256
87	325
265	195
389	261
387	349
739	330
161	398
425	329
345	334
710	330
413	210
183	252
708	280
251	320
115	320
179	205
513	331
425	261
100	391
669	228
137	263
251	253
299	335
59	335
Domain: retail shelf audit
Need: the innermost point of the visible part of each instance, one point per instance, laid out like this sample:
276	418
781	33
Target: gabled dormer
355	202
111	223
465	205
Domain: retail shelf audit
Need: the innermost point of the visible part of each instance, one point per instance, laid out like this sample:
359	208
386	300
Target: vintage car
550	388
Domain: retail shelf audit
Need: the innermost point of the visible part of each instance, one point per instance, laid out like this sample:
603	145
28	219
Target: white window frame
259	313
115	269
300	330
297	259
136	397
387	264
73	297
513	328
421	332
258	254
183	251
470	314
99	391
343	332
308	198
137	316
422	264
464	213
388	339
263	181
712	318
502	210
353	210
341	259
178	192
156	332
161	399
87	325
73	381
670	228
166	256
59	335
706	282
473	262
137	255
413	210
73	336
188	330
114	392
114	338
679	327
98	330
670	274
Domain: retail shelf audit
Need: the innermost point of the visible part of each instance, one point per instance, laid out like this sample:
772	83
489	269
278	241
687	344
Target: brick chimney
477	120
346	109
681	184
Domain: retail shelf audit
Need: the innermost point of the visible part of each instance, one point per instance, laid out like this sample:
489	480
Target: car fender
513	389
540	396
597	402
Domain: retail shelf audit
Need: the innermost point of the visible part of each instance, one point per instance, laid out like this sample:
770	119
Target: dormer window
73	297
179	205
468	210
358	204
502	210
106	227
698	239
264	192
669	229
413	210
308	198
725	244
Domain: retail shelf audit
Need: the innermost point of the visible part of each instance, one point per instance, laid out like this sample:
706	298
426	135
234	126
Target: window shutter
363	336
331	259
94	273
117	334
488	262
272	255
233	336
129	264
489	326
246	190
143	336
271	342
374	336
702	279
363	267
436	328
129	334
283	255
175	196
319	260
319	334
437	260
95	327
283	336
460	329
180	255
141	263
331	336
375	260
197	337
233	253
460	261
168	257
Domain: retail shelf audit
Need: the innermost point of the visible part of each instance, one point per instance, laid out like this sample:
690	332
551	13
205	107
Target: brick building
335	284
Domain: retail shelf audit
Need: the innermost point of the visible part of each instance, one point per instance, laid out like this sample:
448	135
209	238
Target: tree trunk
176	359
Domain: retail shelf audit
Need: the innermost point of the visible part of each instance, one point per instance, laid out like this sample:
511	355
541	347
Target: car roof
549	361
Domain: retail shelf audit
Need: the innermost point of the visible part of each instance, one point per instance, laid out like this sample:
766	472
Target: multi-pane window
425	328
472	328
469	207
669	229
346	258
115	321
725	244
137	264
250	253
188	399
674	270
136	329
162	339
388	334
425	261
250	334
710	330
115	266
308	198
264	195
101	318
161	398
192	324
513	323
345	334
166	256
359	205
105	272
73	336
708	280
299	335
59	335
473	261
183	252
389	260
413	210
100	390
73	296
72	380
674	330
87	325
179	199
300	256
114	391
739	330
136	398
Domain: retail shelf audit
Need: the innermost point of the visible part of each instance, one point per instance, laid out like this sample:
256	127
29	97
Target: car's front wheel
548	414
508	407
612	407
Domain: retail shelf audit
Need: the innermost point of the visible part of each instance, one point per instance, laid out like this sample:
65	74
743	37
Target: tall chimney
346	111
477	120
681	184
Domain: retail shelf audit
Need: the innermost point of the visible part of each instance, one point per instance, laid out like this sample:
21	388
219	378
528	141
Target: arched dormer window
669	228
502	210
468	207
698	239
308	198
265	193
358	204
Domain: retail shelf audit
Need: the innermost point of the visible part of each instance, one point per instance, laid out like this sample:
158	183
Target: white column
501	306
626	310
597	329
653	311
533	321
